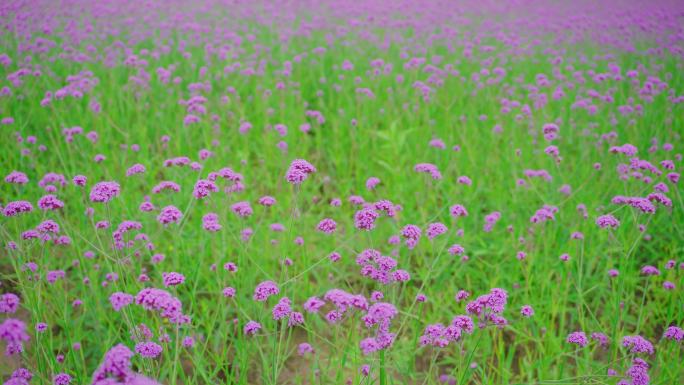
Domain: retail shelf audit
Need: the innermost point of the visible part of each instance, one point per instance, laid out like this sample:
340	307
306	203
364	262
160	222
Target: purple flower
264	290
9	303
372	183
650	270
299	171
251	328
163	302
61	379
242	209
601	338
13	332
148	349
203	188
313	304
435	229
458	211
135	169
364	219
637	344
16	208
282	309
120	300
50	202
169	214
607	220
16	177
428	168
674	333
173	279
526	311
327	226
104	192
304	349
577	338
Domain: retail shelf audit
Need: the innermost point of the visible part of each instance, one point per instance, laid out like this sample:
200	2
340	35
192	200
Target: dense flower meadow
341	192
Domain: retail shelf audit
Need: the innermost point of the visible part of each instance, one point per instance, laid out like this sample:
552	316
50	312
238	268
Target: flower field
341	192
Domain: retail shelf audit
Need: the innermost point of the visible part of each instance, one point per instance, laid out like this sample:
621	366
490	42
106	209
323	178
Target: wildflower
173	279
135	169
50	202
435	229
264	290
372	183
304	349
577	338
251	328
120	300
16	208
458	211
527	311
169	214
148	349
637	344
674	333
299	171
242	209
203	188
601	338
16	177
327	226
13	332
282	309
104	192
61	379
9	303
607	220
364	219
313	304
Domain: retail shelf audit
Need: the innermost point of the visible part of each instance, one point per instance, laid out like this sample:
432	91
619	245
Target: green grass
391	136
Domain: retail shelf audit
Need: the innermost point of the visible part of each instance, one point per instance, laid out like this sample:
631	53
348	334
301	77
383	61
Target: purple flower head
435	229
372	183
242	209
16	177
104	192
148	349
173	279
120	300
135	169
327	226
304	349
637	344
17	207
674	333
203	188
282	309
169	214
13	332
61	379
527	311
364	219
608	220
577	338
251	328
163	302
601	338
428	168
299	171
9	303
50	202
313	304
264	290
